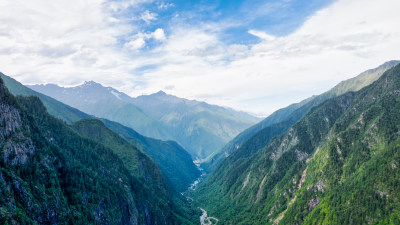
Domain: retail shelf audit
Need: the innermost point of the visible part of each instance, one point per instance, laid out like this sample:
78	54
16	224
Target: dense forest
333	159
278	122
51	174
337	165
166	154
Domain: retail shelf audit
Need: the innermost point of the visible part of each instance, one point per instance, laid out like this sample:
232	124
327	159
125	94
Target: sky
252	55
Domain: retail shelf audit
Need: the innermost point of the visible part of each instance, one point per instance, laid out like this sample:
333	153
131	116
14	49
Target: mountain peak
90	83
160	92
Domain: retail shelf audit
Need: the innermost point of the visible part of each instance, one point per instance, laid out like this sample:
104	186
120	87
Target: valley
318	162
301	165
206	220
197	126
204	112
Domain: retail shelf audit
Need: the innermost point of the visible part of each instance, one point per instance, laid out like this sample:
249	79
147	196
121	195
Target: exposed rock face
10	120
16	148
313	203
300	155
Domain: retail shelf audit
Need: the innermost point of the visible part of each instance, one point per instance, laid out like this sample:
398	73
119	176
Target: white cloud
262	35
165	5
61	42
139	40
148	16
121	5
159	34
334	44
66	42
136	44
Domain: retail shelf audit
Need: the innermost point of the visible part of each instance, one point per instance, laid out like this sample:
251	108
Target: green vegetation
197	126
278	122
130	145
50	174
328	160
338	165
137	163
54	107
167	154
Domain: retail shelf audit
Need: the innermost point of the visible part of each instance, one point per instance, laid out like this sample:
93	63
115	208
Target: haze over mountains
199	127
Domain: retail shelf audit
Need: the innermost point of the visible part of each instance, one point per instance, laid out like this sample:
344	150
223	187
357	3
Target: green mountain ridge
199	127
172	159
49	174
180	176
278	122
337	165
54	107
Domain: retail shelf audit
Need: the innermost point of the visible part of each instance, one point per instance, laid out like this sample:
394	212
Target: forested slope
51	175
278	122
337	165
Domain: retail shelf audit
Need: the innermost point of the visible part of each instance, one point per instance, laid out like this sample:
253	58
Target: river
207	220
204	219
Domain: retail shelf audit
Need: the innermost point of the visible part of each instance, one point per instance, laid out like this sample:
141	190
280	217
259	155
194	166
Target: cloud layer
67	42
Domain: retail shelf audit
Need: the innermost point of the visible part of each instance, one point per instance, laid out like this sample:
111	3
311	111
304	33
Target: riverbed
206	220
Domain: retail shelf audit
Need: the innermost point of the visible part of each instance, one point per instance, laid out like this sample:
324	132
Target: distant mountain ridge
192	122
199	127
104	102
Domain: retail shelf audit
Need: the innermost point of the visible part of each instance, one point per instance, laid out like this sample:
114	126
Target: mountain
50	174
199	127
278	122
54	107
180	176
102	102
171	158
339	164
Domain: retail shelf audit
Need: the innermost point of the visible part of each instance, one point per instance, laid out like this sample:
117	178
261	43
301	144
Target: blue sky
257	56
233	19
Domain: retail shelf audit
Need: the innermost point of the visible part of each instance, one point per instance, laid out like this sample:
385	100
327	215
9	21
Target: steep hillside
180	176
49	175
54	107
174	162
337	165
199	127
137	163
278	122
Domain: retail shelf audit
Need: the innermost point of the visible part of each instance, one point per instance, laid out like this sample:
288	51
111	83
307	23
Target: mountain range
199	127
179	176
338	164
330	159
52	173
279	121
